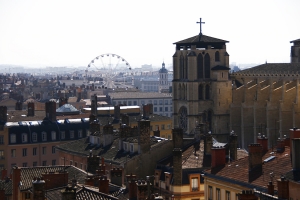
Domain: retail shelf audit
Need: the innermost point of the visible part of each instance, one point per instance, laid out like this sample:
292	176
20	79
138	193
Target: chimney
2	193
116	175
233	145
30	109
296	154
294	133
3	114
144	136
270	188
142	190
283	188
150	108
131	179
280	146
94	105
108	134
55	179
38	187
117	112
177	135
90	180
104	185
208	143
69	193
101	170
263	141
247	195
51	110
18	105
62	101
3	174
146	111
92	163
94	126
255	161
125	119
16	179
218	156
177	167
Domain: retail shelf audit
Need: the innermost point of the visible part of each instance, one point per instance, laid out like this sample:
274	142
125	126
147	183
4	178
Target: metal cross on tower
200	25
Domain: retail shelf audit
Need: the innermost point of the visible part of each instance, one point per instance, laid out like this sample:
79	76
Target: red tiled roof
238	170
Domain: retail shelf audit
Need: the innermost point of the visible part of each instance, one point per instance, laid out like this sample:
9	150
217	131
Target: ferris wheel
111	69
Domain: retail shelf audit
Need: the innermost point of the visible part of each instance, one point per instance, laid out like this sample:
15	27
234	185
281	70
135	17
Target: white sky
72	33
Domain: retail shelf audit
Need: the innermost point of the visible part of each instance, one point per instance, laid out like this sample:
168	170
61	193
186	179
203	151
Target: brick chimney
255	161
108	134
296	154
3	114
247	195
16	179
116	176
177	167
125	119
92	163
38	187
280	146
62	101
94	126
263	141
50	108
142	191
2	193
208	143
177	135
283	188
69	193
3	174
90	180
146	111
294	133
19	105
94	105
55	179
102	167
270	188
131	179
144	136
117	112
30	109
218	156
104	185
233	145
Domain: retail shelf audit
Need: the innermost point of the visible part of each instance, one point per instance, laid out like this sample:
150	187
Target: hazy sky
72	33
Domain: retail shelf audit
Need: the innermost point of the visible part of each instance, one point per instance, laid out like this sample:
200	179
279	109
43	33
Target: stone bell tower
295	51
201	87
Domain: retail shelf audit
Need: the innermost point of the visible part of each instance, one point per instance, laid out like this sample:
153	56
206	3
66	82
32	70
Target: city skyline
71	33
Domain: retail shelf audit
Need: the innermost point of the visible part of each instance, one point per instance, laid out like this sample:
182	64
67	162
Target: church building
202	89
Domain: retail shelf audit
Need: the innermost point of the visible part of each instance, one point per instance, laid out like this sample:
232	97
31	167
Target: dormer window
131	148
24	138
44	136
34	137
13	138
53	135
195	185
125	146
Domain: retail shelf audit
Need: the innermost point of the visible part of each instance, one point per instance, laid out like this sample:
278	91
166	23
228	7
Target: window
27	196
53	149
44	163
166	109
227	195
44	150
195	184
53	135
155	102
24	151
131	148
150	101
34	151
13	138
81	165
129	103
71	134
79	133
44	136
34	164
218	194
156	127
160	109
1	139
168	126
62	134
155	109
134	103
24	138
24	164
53	162
166	102
1	154
75	164
210	193
162	127
34	137
71	162
13	153
169	137
125	146
160	102
142	102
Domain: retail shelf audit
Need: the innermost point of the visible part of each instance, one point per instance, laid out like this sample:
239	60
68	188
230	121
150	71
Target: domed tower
163	80
201	86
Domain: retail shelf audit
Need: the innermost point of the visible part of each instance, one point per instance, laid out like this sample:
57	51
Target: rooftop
139	95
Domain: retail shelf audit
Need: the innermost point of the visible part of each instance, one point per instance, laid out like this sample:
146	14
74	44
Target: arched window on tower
199	66
200	92
207	65
181	67
217	56
186	67
207	92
